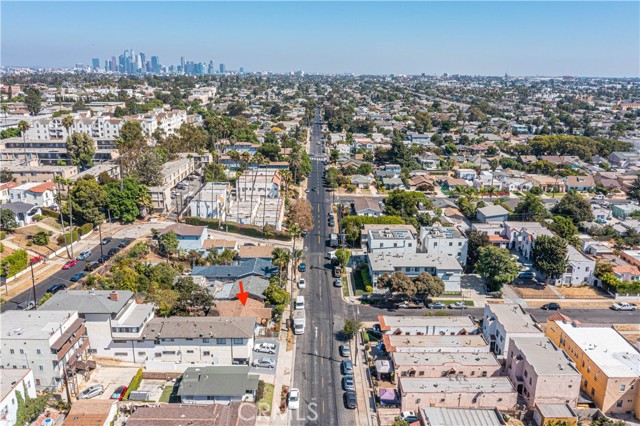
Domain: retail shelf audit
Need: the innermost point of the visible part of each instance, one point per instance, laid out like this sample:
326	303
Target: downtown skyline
471	38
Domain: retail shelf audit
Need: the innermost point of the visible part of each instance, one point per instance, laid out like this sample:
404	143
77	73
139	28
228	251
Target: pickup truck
624	306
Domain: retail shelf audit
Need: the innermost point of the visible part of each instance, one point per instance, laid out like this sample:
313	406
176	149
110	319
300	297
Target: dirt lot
585	292
568	303
52	223
534	292
22	236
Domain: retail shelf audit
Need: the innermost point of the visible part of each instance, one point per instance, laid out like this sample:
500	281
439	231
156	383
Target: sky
475	38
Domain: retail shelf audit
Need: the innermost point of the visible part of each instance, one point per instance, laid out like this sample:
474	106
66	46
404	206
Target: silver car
91	392
348	383
264	363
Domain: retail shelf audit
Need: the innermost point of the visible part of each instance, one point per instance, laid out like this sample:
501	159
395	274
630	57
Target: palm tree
23	126
5	111
257	159
67	122
265	162
246	158
493	164
297	255
280	258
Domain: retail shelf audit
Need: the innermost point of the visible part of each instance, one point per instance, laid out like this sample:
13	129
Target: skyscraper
241	70
223	69
155	64
95	63
182	63
210	68
114	64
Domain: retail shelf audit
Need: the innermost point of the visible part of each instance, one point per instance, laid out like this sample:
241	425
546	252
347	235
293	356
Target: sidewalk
259	241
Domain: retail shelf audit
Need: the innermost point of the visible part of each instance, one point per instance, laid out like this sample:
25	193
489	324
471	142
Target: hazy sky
488	38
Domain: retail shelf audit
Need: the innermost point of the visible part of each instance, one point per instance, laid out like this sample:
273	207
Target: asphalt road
62	276
317	362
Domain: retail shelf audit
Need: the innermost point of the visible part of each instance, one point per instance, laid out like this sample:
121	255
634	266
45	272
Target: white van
299	303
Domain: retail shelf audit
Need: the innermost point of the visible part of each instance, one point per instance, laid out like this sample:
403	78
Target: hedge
62	239
248	230
14	263
50	213
134	385
85	229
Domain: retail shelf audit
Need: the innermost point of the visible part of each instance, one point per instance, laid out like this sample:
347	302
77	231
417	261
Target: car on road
345	351
264	363
332	222
346	366
265	347
551	306
106	240
113	251
70	264
181	186
348	383
77	277
90	266
103	258
306	190
457	305
302	283
350	400
409	416
56	288
337	272
624	306
338	282
27	306
91	392
119	393
124	243
526	275
293	399
85	254
304	234
302	267
436	305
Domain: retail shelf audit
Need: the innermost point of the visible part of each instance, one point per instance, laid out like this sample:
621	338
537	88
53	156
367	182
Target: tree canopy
549	255
575	207
81	148
497	266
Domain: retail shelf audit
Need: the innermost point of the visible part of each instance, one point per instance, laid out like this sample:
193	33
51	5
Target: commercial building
442	240
503	321
445	364
13	382
416	326
438	416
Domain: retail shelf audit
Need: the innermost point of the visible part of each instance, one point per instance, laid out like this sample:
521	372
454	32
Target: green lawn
169	394
466	302
357	282
345	286
264	403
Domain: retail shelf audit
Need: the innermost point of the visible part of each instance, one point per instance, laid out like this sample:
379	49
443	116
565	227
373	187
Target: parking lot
110	378
259	355
181	199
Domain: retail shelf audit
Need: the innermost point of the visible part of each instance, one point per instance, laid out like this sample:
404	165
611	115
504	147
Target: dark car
106	240
551	307
124	243
302	267
56	288
350	400
103	258
113	251
332	222
77	277
90	266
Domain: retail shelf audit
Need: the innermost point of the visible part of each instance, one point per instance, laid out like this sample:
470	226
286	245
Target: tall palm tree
257	160
280	258
67	122
5	111
493	164
246	158
265	162
23	126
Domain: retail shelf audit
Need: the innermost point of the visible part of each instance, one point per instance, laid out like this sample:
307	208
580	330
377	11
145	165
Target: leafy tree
353	224
550	255
575	207
343	256
168	243
531	208
630	238
603	421
149	168
8	220
475	241
33	101
422	121
399	422
564	227
40	238
405	203
127	205
497	266
81	148
333	177
190	295
88	200
270	151
334	154
276	295
350	329
236	108
131	145
5	175
428	285
397	282
300	214
634	190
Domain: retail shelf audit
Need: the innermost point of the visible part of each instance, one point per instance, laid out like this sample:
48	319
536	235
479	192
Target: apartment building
33	172
211	201
258	183
49	152
364	232
470	343
445	364
416	326
100	127
446	268
580	269
542	373
457	392
609	364
442	240
173	172
47	342
13	382
391	241
501	322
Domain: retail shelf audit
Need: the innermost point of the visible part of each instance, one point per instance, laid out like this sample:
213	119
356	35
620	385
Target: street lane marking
323	407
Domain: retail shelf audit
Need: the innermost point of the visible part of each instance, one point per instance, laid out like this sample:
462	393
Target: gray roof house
218	384
24	212
492	213
240	269
392	183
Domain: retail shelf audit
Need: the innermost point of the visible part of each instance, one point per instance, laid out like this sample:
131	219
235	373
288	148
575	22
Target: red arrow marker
243	295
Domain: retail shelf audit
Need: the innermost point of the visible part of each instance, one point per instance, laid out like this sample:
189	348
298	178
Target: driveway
258	355
110	378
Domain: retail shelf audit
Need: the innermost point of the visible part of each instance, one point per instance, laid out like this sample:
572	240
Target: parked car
265	347
350	400
551	306
337	272
346	367
302	283
70	264
436	305
119	393
56	288
106	240
181	186
332	222
458	305
91	392
293	399
409	416
526	275
90	266
348	383
264	363
624	306
113	251
338	282
27	306
124	243
345	351
304	234
77	277
103	258
85	254
410	304
302	267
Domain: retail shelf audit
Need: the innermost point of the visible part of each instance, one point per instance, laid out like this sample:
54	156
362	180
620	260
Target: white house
211	201
466	174
503	321
12	381
41	194
189	237
391	241
580	270
442	240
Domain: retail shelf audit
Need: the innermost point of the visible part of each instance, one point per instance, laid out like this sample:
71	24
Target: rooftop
9	379
441	358
32	325
389	234
512	318
87	301
234	414
440	416
545	357
455	385
199	327
381	261
388	323
182	229
227	380
89	412
441	232
241	269
437	341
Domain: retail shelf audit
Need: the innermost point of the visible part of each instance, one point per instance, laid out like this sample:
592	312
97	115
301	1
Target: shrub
85	229
134	385
368	289
41	238
14	263
44	298
1	248
61	240
37	217
50	213
3	235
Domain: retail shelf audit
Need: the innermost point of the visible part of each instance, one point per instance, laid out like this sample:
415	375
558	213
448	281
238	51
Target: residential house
457	392
391	183
501	322
445	364
492	213
255	252
416	326
422	183
41	194
218	245
608	363
211	202
442	240
449	184
623	159
239	269
391	241
233	414
364	232
580	270
580	183
4	191
547	183
550	414
361	181
14	382
446	268
189	237
440	416
218	384
23	212
623	211
466	174
542	373
92	412
365	206
47	342
469	343
495	233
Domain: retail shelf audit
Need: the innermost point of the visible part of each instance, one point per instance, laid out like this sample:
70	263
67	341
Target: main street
317	362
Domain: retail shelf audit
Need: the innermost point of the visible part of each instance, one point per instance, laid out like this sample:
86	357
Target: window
221	341
459	244
593	392
526	373
11	351
450	244
595	377
189	351
120	354
484	374
619	403
205	340
41	368
37	382
21	351
38	351
238	341
206	353
622	388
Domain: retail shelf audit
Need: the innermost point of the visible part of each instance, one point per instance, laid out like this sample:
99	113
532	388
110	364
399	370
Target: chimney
113	295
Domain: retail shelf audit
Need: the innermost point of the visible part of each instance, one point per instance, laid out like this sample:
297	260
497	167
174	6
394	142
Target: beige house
459	343
445	364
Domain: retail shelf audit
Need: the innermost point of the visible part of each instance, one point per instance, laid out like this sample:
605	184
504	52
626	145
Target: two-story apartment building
469	343
391	241
415	326
211	201
447	268
501	322
580	269
542	373
442	240
47	342
608	363
445	364
13	382
190	237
